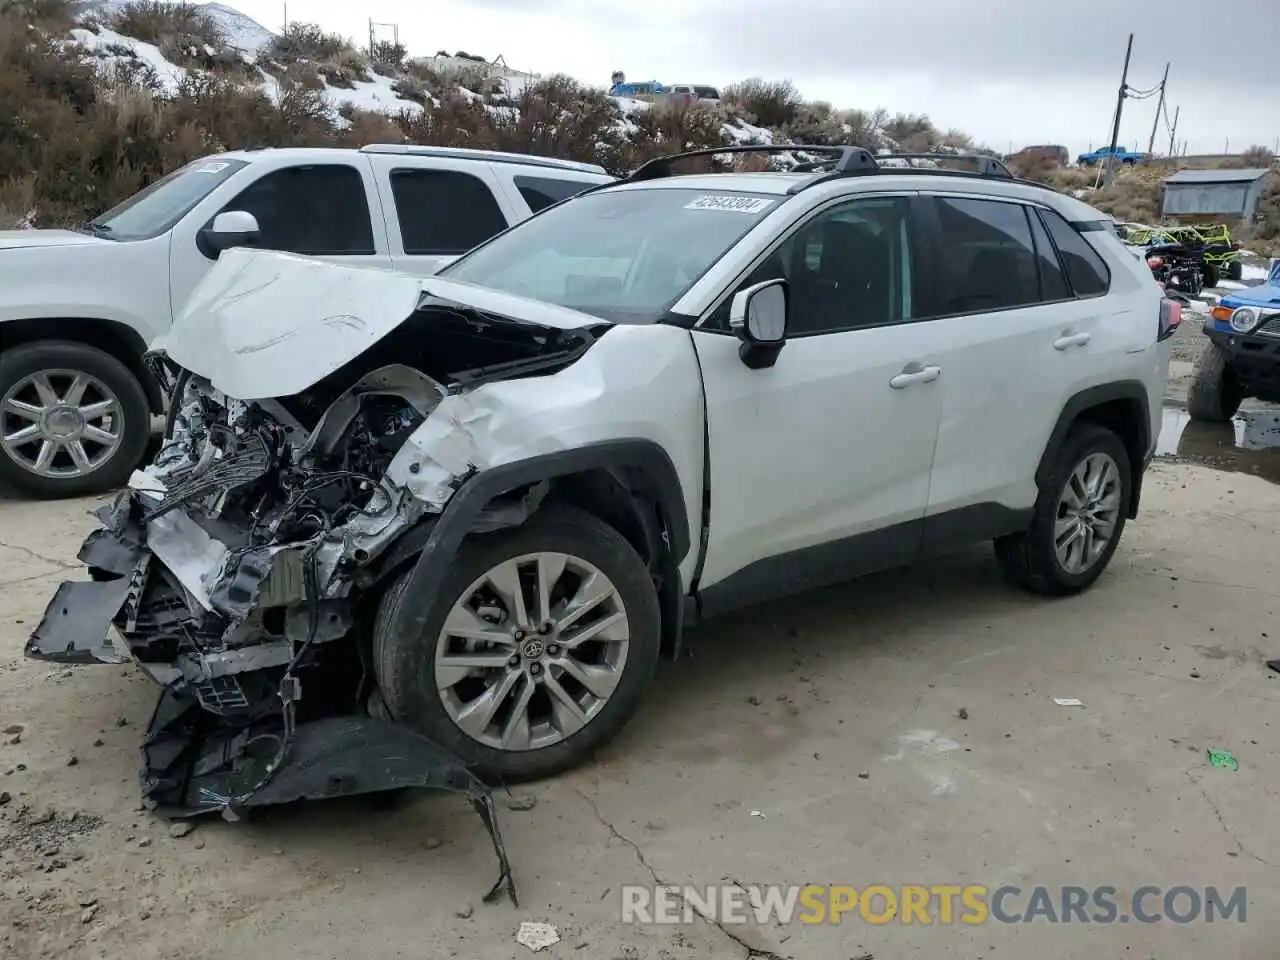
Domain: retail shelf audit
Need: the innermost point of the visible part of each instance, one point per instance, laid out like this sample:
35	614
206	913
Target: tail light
1154	262
1170	319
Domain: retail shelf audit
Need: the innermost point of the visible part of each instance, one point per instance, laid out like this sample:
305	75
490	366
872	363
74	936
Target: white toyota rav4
479	506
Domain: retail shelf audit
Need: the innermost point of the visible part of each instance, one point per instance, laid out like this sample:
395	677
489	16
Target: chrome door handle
914	373
1071	340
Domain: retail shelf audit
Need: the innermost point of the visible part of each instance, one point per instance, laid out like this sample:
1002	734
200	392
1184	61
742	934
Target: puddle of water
1250	443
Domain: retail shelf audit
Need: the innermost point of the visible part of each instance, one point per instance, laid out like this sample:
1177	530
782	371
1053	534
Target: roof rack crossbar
845	158
986	166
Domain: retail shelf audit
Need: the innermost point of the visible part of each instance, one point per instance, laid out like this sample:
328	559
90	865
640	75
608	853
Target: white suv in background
79	307
483	503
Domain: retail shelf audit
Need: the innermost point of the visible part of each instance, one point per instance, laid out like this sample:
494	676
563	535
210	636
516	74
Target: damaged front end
240	568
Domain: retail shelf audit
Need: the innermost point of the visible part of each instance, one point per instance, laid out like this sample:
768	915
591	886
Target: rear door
438	209
1015	342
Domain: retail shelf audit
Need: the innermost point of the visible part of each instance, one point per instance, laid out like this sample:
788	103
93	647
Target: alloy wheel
60	424
1088	513
532	651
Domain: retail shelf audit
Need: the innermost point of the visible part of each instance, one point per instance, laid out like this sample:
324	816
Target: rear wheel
1214	394
539	649
73	420
1078	519
1234	270
1210	275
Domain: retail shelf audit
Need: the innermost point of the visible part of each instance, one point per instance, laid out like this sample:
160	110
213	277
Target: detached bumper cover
219	740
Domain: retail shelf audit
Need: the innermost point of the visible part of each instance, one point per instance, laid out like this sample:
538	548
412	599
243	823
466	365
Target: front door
819	464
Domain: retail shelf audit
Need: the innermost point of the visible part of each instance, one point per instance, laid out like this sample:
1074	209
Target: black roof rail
846	159
840	161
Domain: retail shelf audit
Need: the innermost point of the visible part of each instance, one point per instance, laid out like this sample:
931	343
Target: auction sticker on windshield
752	205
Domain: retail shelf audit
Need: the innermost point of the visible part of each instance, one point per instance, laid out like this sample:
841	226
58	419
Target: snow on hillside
242	33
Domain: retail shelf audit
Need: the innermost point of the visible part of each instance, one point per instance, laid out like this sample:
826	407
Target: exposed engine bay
240	567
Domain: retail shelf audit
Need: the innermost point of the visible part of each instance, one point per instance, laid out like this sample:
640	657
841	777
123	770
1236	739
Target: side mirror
233	228
758	317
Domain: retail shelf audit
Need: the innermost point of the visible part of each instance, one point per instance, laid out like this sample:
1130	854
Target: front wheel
1235	270
1079	516
1211	277
74	420
1214	394
538	651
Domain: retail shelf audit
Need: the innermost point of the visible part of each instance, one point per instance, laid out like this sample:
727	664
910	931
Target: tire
1211	277
1235	270
1214	395
20	364
407	671
1030	557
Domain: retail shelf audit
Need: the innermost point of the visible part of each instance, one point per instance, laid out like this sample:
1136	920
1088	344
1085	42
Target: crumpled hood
264	324
16	239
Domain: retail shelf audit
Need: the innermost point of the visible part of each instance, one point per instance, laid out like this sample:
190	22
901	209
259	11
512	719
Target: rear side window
993	258
1053	282
541	192
444	212
319	210
1086	270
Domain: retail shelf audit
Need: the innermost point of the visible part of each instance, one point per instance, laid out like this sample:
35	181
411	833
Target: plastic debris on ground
1223	759
537	936
1068	702
758	813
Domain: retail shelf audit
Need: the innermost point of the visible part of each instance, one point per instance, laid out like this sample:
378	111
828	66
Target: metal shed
1190	194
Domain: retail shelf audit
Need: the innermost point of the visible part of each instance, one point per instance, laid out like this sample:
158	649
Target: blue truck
1242	357
1121	154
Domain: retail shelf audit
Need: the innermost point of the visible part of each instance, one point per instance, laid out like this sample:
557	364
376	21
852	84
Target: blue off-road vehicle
1242	358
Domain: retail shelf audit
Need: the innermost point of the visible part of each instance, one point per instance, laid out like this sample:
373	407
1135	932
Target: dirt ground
897	730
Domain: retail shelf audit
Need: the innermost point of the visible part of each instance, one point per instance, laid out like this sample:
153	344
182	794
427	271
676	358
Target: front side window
849	267
444	212
992	258
624	255
158	208
316	210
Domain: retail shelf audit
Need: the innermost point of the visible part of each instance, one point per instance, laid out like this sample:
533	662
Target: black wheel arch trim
1129	390
464	507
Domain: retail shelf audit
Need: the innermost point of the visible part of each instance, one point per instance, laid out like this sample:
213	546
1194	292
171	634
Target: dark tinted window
542	192
444	211
1053	283
315	210
993	260
848	267
1086	270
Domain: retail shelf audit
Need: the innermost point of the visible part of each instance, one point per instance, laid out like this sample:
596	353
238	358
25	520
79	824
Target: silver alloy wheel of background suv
60	423
531	651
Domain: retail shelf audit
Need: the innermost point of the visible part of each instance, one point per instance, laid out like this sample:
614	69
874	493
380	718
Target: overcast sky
1008	72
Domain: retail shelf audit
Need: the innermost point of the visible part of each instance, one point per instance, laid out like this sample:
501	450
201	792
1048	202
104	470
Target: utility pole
1173	132
1115	130
1159	108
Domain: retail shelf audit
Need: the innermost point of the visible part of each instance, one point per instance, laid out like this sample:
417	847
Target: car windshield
155	209
623	255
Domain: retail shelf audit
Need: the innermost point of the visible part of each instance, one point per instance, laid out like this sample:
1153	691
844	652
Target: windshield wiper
93	229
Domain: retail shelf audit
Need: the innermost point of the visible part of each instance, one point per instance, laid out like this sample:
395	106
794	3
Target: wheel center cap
532	649
62	423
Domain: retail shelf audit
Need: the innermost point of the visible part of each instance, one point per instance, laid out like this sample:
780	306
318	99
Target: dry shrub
1257	156
388	57
769	103
185	34
558	117
671	128
17	202
1135	199
911	132
365	127
307	41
